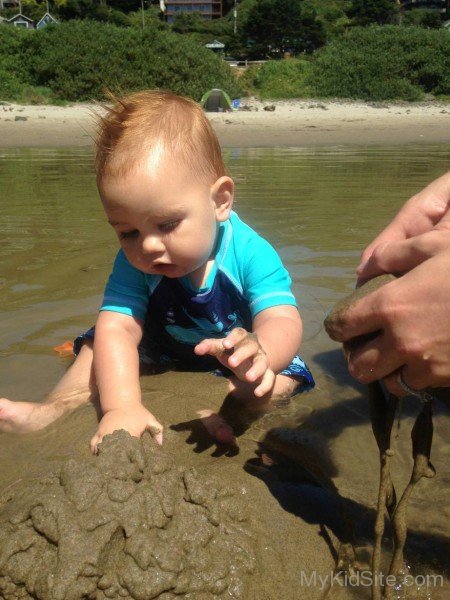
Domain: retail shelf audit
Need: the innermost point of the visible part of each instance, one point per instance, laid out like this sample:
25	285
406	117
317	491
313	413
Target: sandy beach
257	124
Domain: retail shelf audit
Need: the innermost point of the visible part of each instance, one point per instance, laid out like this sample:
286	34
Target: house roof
47	18
20	17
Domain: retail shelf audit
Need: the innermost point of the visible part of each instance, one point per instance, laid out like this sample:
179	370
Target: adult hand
242	353
413	317
134	418
420	230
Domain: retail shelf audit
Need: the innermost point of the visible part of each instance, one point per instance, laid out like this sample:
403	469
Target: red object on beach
65	349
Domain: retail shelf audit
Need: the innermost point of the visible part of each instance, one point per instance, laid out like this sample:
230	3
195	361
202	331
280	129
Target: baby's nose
152	244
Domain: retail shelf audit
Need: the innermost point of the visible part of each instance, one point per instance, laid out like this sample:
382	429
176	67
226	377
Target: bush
422	17
278	79
383	63
12	70
79	60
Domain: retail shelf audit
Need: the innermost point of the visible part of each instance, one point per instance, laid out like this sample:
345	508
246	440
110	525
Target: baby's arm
258	356
116	365
279	331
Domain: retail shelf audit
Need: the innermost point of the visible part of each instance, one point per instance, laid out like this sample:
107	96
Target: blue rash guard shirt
247	277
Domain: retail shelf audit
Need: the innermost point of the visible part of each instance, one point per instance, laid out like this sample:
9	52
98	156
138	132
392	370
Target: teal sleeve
126	291
266	281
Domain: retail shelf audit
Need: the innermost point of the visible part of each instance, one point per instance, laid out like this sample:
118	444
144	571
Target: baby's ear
222	194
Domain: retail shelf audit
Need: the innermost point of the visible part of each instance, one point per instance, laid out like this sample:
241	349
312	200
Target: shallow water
319	207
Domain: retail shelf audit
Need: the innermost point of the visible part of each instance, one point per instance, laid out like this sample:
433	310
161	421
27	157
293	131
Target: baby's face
165	218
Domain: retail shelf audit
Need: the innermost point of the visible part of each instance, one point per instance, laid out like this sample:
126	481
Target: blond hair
140	122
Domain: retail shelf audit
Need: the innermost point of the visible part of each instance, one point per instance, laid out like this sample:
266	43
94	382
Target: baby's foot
217	427
22	417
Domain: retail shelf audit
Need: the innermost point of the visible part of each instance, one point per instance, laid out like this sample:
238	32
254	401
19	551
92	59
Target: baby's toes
217	427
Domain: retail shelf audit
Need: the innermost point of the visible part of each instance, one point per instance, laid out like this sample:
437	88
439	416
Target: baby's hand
135	419
242	353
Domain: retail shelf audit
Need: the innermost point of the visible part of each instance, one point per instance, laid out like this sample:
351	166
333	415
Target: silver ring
423	395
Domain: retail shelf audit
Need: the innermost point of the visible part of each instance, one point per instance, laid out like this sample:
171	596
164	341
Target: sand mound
128	525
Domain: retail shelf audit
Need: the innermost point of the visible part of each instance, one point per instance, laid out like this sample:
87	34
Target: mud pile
129	524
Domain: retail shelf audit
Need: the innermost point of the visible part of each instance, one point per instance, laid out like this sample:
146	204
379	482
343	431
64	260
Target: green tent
216	101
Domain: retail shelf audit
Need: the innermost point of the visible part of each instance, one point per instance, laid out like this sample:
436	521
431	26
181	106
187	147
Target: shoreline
282	123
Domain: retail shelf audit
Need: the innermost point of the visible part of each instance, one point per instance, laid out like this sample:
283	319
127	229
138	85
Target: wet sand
291	123
286	543
298	525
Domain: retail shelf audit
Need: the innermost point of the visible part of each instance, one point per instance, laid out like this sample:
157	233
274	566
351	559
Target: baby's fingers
258	368
235	336
266	385
249	351
156	429
95	441
209	346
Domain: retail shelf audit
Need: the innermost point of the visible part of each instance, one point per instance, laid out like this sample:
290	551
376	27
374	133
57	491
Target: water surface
319	207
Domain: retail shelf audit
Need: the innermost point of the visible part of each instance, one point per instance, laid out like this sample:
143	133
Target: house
208	10
47	19
21	20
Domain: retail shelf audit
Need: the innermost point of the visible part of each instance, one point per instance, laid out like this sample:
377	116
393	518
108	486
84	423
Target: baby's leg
76	387
285	386
217	426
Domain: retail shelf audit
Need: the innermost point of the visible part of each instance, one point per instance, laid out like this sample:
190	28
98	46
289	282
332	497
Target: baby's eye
126	235
169	226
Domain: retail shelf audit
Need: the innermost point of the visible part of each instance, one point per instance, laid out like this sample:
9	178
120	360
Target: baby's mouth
163	267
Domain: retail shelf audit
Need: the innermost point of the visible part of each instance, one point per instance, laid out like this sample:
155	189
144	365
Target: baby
191	285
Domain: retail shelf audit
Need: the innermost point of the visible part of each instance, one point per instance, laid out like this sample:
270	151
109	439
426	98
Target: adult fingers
402	256
421	213
393	232
362	317
374	360
418	375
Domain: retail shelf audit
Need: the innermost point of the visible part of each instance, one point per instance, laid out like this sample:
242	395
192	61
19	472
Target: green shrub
12	70
79	60
278	79
10	86
383	63
422	17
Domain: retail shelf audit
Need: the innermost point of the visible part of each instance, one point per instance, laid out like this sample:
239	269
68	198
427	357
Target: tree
367	12
277	26
431	19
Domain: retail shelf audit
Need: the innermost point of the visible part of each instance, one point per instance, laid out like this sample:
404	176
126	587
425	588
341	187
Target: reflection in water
319	207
